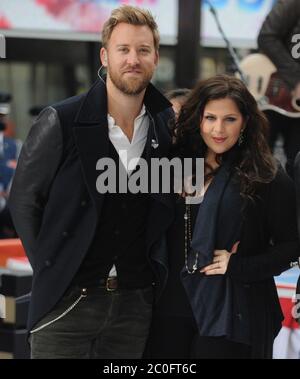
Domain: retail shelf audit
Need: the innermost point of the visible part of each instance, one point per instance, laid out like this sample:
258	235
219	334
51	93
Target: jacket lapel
92	145
91	137
162	151
204	235
162	207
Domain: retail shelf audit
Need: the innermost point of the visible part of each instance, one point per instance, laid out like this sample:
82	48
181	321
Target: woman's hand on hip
220	261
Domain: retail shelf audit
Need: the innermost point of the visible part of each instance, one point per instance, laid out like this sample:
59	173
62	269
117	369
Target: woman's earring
241	138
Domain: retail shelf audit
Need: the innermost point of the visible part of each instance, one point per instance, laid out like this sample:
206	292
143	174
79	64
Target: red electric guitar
266	86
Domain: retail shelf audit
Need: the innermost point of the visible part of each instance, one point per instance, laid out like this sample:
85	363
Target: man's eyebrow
126	45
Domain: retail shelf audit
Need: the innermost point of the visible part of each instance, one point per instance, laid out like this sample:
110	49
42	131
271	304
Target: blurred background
52	46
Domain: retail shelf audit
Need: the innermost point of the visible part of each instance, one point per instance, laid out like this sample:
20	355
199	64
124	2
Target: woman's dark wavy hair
253	162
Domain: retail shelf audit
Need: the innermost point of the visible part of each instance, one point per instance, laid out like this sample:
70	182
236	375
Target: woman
220	300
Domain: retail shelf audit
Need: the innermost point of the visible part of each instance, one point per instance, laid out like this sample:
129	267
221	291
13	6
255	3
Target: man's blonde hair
133	16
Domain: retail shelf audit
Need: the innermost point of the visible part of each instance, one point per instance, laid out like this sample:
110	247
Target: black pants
102	325
174	337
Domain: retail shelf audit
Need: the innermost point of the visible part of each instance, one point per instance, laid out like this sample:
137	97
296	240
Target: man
276	41
92	286
9	150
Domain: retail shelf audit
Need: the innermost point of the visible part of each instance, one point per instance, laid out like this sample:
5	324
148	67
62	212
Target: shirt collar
112	124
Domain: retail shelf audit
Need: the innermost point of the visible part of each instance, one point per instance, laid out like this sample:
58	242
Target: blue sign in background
247	5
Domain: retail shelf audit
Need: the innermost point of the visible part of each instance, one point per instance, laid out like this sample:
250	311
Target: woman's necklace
188	239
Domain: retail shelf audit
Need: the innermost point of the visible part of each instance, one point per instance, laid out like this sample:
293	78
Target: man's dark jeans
102	325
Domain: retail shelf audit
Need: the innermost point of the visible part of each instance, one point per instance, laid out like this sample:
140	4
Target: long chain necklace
188	239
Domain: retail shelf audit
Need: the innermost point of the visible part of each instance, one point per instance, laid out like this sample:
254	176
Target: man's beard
130	86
